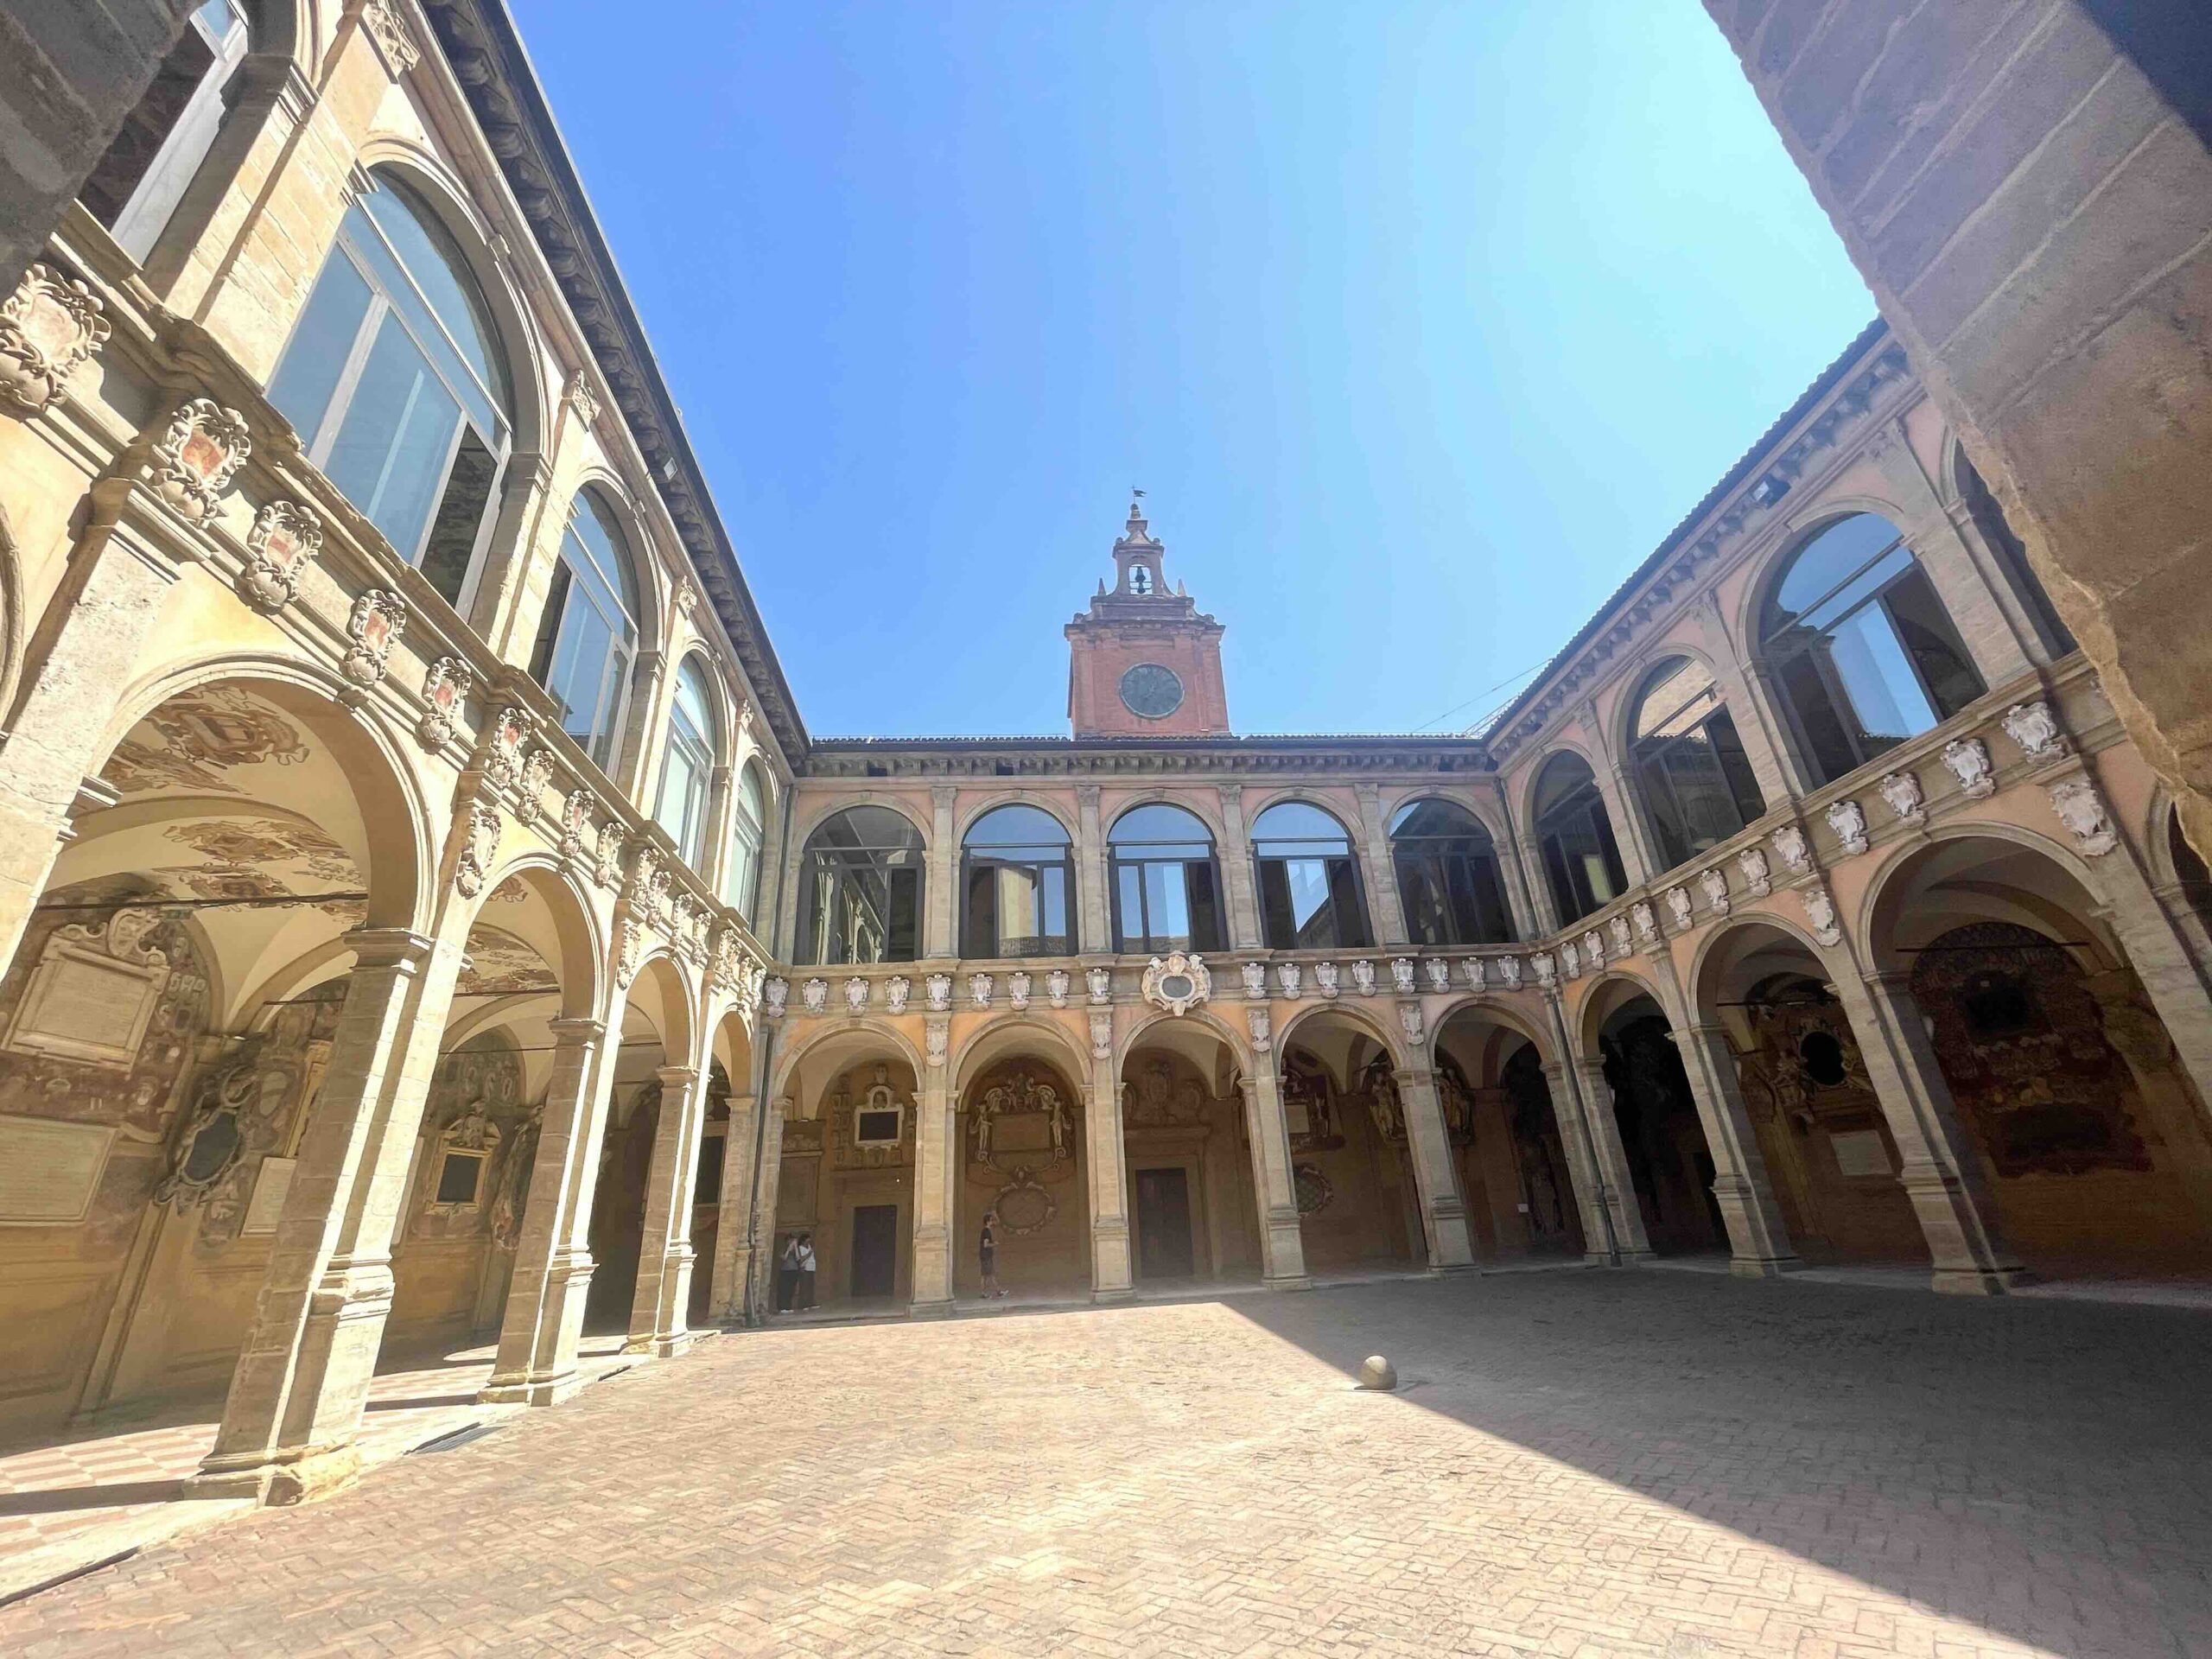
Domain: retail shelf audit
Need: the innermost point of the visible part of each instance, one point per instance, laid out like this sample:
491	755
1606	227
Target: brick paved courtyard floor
1578	1462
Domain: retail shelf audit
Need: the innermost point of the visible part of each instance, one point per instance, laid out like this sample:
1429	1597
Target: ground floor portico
1659	1462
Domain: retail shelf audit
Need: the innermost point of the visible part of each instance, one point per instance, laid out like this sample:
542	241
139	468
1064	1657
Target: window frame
702	751
150	207
1648	761
975	862
616	678
1340	874
1139	864
816	861
747	854
1586	801
1435	855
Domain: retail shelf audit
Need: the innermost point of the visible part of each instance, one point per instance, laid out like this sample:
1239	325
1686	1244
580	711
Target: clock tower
1143	662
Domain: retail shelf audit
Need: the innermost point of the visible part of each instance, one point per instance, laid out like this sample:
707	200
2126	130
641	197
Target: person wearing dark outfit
787	1275
986	1250
806	1264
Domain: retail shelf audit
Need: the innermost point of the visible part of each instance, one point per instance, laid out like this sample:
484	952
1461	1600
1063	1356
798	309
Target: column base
530	1391
937	1310
1979	1281
1127	1292
1764	1267
1289	1281
281	1480
1618	1258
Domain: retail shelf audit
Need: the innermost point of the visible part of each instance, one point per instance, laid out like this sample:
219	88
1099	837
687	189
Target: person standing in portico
986	1250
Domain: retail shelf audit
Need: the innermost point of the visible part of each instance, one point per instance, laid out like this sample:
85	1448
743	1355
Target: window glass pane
1298	821
1432	818
1160	824
1305	882
1422	893
451	547
390	456
1563	774
903	940
1347	916
1677	697
320	343
1885	697
433	262
1017	826
577	675
1129	906
1825	563
1019	918
1167	910
980	936
1828	744
1055	937
1206	932
1932	642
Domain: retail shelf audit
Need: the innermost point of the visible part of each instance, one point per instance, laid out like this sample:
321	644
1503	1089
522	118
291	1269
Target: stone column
302	1376
1541	904
940	926
936	1161
1519	881
1282	1241
1758	1239
1594	1197
763	1210
2157	952
1376	869
1242	897
1111	1276
658	1322
114	591
1094	918
1641	858
1942	1173
1595	1095
733	1265
536	1362
1443	1212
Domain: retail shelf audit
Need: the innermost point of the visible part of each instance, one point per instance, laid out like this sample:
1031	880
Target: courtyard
1658	1462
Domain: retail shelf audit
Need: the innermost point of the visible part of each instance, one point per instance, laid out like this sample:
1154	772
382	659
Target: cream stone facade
430	919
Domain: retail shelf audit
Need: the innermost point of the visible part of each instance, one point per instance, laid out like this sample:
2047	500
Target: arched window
1860	647
1997	531
1690	768
1017	875
687	776
747	834
154	158
1309	881
1574	837
394	381
587	636
862	879
1167	889
1448	876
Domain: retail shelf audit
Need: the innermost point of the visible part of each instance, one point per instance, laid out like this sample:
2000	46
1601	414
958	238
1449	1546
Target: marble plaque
1860	1151
49	1170
271	1183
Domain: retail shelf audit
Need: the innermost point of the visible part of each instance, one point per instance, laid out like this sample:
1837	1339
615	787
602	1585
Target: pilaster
1283	1240
1112	1277
663	1299
1444	1211
937	1148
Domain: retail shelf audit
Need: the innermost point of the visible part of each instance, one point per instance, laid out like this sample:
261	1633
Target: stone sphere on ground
1378	1373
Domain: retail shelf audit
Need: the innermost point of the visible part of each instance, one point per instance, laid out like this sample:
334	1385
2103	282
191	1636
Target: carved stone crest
937	989
1647	922
2081	811
379	618
1715	888
979	990
1056	987
386	28
285	538
1849	822
1508	972
775	995
50	327
607	863
575	824
1681	906
1569	959
1101	1033
1255	975
2035	728
896	991
1819	914
583	398
1473	969
1792	848
537	776
445	693
937	1041
855	995
1968	759
1752	862
1593	950
1438	972
1017	989
1325	978
1547	969
479	849
1623	941
198	456
629	949
1362	977
814	995
1177	983
503	748
1288	976
1401	976
1901	789
1101	981
1255	1021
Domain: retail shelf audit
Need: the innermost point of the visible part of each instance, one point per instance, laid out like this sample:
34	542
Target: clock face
1152	689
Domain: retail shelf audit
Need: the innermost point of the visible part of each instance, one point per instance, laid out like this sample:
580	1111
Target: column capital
388	947
677	1076
1415	1075
576	1033
1894	981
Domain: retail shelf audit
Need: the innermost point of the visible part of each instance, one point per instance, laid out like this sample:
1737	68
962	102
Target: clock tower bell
1143	662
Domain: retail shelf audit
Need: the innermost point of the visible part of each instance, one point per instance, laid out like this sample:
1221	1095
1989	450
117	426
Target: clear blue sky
1421	323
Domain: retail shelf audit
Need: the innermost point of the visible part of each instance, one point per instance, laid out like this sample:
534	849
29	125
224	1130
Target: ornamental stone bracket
2082	810
479	847
197	456
285	538
50	327
1177	983
377	620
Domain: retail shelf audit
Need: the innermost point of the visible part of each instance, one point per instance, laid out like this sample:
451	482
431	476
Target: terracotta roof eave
1271	740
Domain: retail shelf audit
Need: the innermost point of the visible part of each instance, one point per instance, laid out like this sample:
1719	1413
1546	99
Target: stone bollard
1378	1374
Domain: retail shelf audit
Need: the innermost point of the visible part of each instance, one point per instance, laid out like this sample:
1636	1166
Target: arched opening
1166	882
846	1188
2012	556
1017	885
156	156
1670	1162
1829	1154
722	1182
2063	1077
1310	897
1692	774
1351	1164
749	834
587	635
861	889
395	381
688	772
1025	1169
1193	1208
1860	647
656	1035
1575	838
1506	1140
1447	867
166	1024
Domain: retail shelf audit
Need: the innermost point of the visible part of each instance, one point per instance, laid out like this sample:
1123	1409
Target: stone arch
1604	995
1239	1046
1483	806
1713	948
1633	680
583	969
1880	906
1768	565
1308	794
1392	1043
665	991
640	549
803	828
995	1039
1500	1014
1052	809
1191	801
1538	764
829	1037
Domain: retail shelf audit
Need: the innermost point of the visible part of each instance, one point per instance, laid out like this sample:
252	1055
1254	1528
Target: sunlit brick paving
1577	1462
